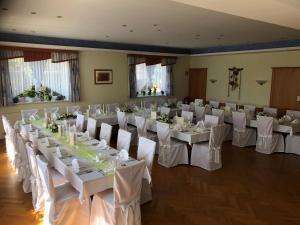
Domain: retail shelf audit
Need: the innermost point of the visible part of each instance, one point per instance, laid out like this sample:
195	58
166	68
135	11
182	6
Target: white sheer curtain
55	76
148	76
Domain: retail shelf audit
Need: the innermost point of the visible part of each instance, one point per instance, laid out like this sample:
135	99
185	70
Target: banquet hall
158	112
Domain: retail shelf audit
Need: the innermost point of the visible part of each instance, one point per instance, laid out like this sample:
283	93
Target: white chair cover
242	136
147	104
124	139
250	109
219	113
171	152
24	173
185	107
165	110
80	122
210	120
122	120
208	155
12	147
267	141
62	205
141	126
187	116
293	114
214	104
105	132
120	205
36	185
271	111
93	108
198	102
92	127
292	144
146	151
200	112
28	113
75	109
112	108
231	105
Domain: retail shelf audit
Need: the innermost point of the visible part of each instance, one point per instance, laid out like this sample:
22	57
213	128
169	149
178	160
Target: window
152	80
43	80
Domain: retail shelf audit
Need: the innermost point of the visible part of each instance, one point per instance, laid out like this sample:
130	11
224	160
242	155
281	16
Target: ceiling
172	23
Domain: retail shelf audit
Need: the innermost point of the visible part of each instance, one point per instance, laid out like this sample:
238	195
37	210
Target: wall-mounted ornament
212	81
261	82
235	80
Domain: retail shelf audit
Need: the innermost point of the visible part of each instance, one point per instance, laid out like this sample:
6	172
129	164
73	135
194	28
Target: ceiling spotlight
159	30
33	13
124	25
155	25
4	9
131	31
59	17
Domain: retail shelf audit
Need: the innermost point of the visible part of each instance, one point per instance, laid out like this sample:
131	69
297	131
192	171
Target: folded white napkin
54	116
58	152
118	109
34	117
86	135
75	165
123	155
98	112
102	144
136	108
200	124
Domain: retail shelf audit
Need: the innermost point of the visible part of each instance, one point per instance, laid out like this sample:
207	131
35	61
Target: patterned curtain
5	85
170	74
132	62
74	81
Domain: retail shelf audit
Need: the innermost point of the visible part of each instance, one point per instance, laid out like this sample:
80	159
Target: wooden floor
251	188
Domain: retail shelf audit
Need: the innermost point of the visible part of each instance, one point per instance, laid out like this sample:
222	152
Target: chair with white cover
146	151
208	155
122	121
198	102
105	132
79	122
165	110
219	113
61	203
141	125
294	114
214	104
92	127
271	111
124	139
250	109
267	141
210	120
171	152
201	111
28	114
187	116
242	135
228	127
74	109
292	143
112	108
231	105
120	205
185	107
93	108
10	140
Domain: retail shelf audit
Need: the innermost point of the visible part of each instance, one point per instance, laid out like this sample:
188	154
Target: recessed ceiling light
33	13
124	25
4	9
131	31
155	25
59	17
159	30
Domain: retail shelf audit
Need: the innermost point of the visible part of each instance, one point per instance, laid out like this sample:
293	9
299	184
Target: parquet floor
250	189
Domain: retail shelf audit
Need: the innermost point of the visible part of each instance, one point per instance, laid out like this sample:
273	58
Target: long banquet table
94	176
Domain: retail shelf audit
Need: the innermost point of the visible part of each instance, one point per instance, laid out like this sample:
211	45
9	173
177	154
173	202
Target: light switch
298	98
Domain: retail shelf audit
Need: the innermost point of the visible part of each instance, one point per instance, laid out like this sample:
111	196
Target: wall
91	93
257	66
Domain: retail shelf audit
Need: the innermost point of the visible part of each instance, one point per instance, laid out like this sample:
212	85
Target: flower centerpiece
53	127
66	116
126	109
164	118
263	114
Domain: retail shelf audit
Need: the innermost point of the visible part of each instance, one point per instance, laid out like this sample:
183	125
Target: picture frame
103	76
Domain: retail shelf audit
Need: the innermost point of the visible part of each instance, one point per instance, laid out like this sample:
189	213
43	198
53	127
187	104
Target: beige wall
91	93
256	66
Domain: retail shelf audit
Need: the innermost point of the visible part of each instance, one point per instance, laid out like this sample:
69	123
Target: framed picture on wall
103	76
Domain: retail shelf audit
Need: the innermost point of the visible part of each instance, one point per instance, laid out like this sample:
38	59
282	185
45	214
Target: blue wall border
33	39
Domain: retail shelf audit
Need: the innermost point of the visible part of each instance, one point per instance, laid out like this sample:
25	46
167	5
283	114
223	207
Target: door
285	88
197	83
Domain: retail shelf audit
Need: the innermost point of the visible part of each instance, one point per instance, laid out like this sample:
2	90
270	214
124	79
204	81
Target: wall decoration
235	80
103	76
